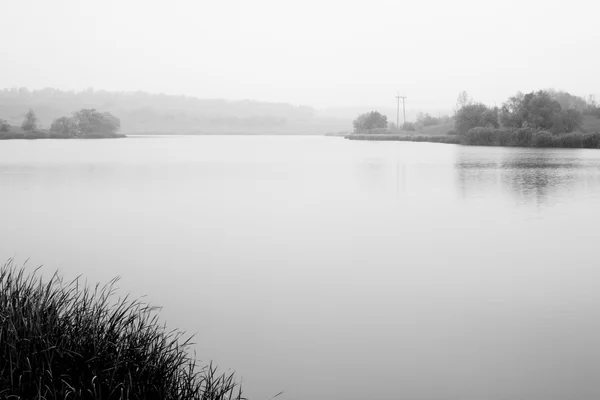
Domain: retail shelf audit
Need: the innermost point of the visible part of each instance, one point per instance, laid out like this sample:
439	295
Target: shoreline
498	137
454	139
20	136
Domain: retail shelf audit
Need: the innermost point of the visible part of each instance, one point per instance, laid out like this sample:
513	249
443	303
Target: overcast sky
313	52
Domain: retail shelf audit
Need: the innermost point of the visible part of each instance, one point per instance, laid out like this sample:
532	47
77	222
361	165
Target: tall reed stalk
65	340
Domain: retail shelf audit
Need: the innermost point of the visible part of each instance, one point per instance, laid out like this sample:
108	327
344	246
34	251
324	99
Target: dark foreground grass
64	340
509	137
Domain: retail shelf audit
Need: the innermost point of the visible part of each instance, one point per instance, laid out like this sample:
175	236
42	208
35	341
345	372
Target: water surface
327	268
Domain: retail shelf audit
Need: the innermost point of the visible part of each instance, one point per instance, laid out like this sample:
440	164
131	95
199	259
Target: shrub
543	139
591	140
409	126
69	341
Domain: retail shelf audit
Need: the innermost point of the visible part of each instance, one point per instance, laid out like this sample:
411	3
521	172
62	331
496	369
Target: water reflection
538	177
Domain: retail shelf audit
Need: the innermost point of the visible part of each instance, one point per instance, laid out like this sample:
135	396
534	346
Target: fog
320	53
315	266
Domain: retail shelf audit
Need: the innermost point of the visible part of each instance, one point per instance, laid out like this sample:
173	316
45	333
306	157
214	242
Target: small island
87	123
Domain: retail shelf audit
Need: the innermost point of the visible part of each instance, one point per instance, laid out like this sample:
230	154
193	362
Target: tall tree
30	121
462	100
4	126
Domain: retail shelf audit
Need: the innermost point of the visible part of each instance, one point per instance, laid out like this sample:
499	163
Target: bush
543	139
69	341
409	126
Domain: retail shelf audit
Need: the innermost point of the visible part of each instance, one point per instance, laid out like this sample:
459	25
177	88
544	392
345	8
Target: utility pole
398	113
403	109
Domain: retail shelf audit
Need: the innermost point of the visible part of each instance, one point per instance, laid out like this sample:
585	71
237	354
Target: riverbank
49	135
523	137
449	139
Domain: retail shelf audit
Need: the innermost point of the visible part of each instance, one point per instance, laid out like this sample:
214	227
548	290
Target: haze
314	52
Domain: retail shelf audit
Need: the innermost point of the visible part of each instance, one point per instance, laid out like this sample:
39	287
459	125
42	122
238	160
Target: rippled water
327	268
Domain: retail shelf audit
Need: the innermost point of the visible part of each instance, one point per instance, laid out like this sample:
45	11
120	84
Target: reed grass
527	137
450	139
66	340
509	137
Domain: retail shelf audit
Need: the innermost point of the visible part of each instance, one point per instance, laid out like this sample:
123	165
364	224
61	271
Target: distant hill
141	112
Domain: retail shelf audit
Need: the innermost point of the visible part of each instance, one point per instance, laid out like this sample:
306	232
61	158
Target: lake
333	269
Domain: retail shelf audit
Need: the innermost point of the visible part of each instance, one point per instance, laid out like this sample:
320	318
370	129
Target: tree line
557	112
554	111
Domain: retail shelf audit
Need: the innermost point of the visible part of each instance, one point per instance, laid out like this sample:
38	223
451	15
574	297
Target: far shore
448	139
20	136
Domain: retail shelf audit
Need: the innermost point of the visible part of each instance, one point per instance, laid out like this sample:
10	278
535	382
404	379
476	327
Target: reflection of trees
536	176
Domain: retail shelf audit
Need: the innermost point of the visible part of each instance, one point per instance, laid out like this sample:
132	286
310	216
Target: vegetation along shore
67	340
83	124
545	118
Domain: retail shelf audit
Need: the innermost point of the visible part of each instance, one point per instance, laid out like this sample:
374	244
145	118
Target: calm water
334	269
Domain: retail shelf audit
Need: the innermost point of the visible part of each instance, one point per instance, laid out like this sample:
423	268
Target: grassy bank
449	139
523	137
65	340
526	137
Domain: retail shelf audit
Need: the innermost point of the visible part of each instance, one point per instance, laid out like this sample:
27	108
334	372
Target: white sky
314	52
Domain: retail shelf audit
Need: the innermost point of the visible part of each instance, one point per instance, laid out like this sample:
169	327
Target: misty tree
370	120
409	126
64	126
568	101
512	112
567	121
30	121
4	126
539	110
424	119
475	115
462	100
88	121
